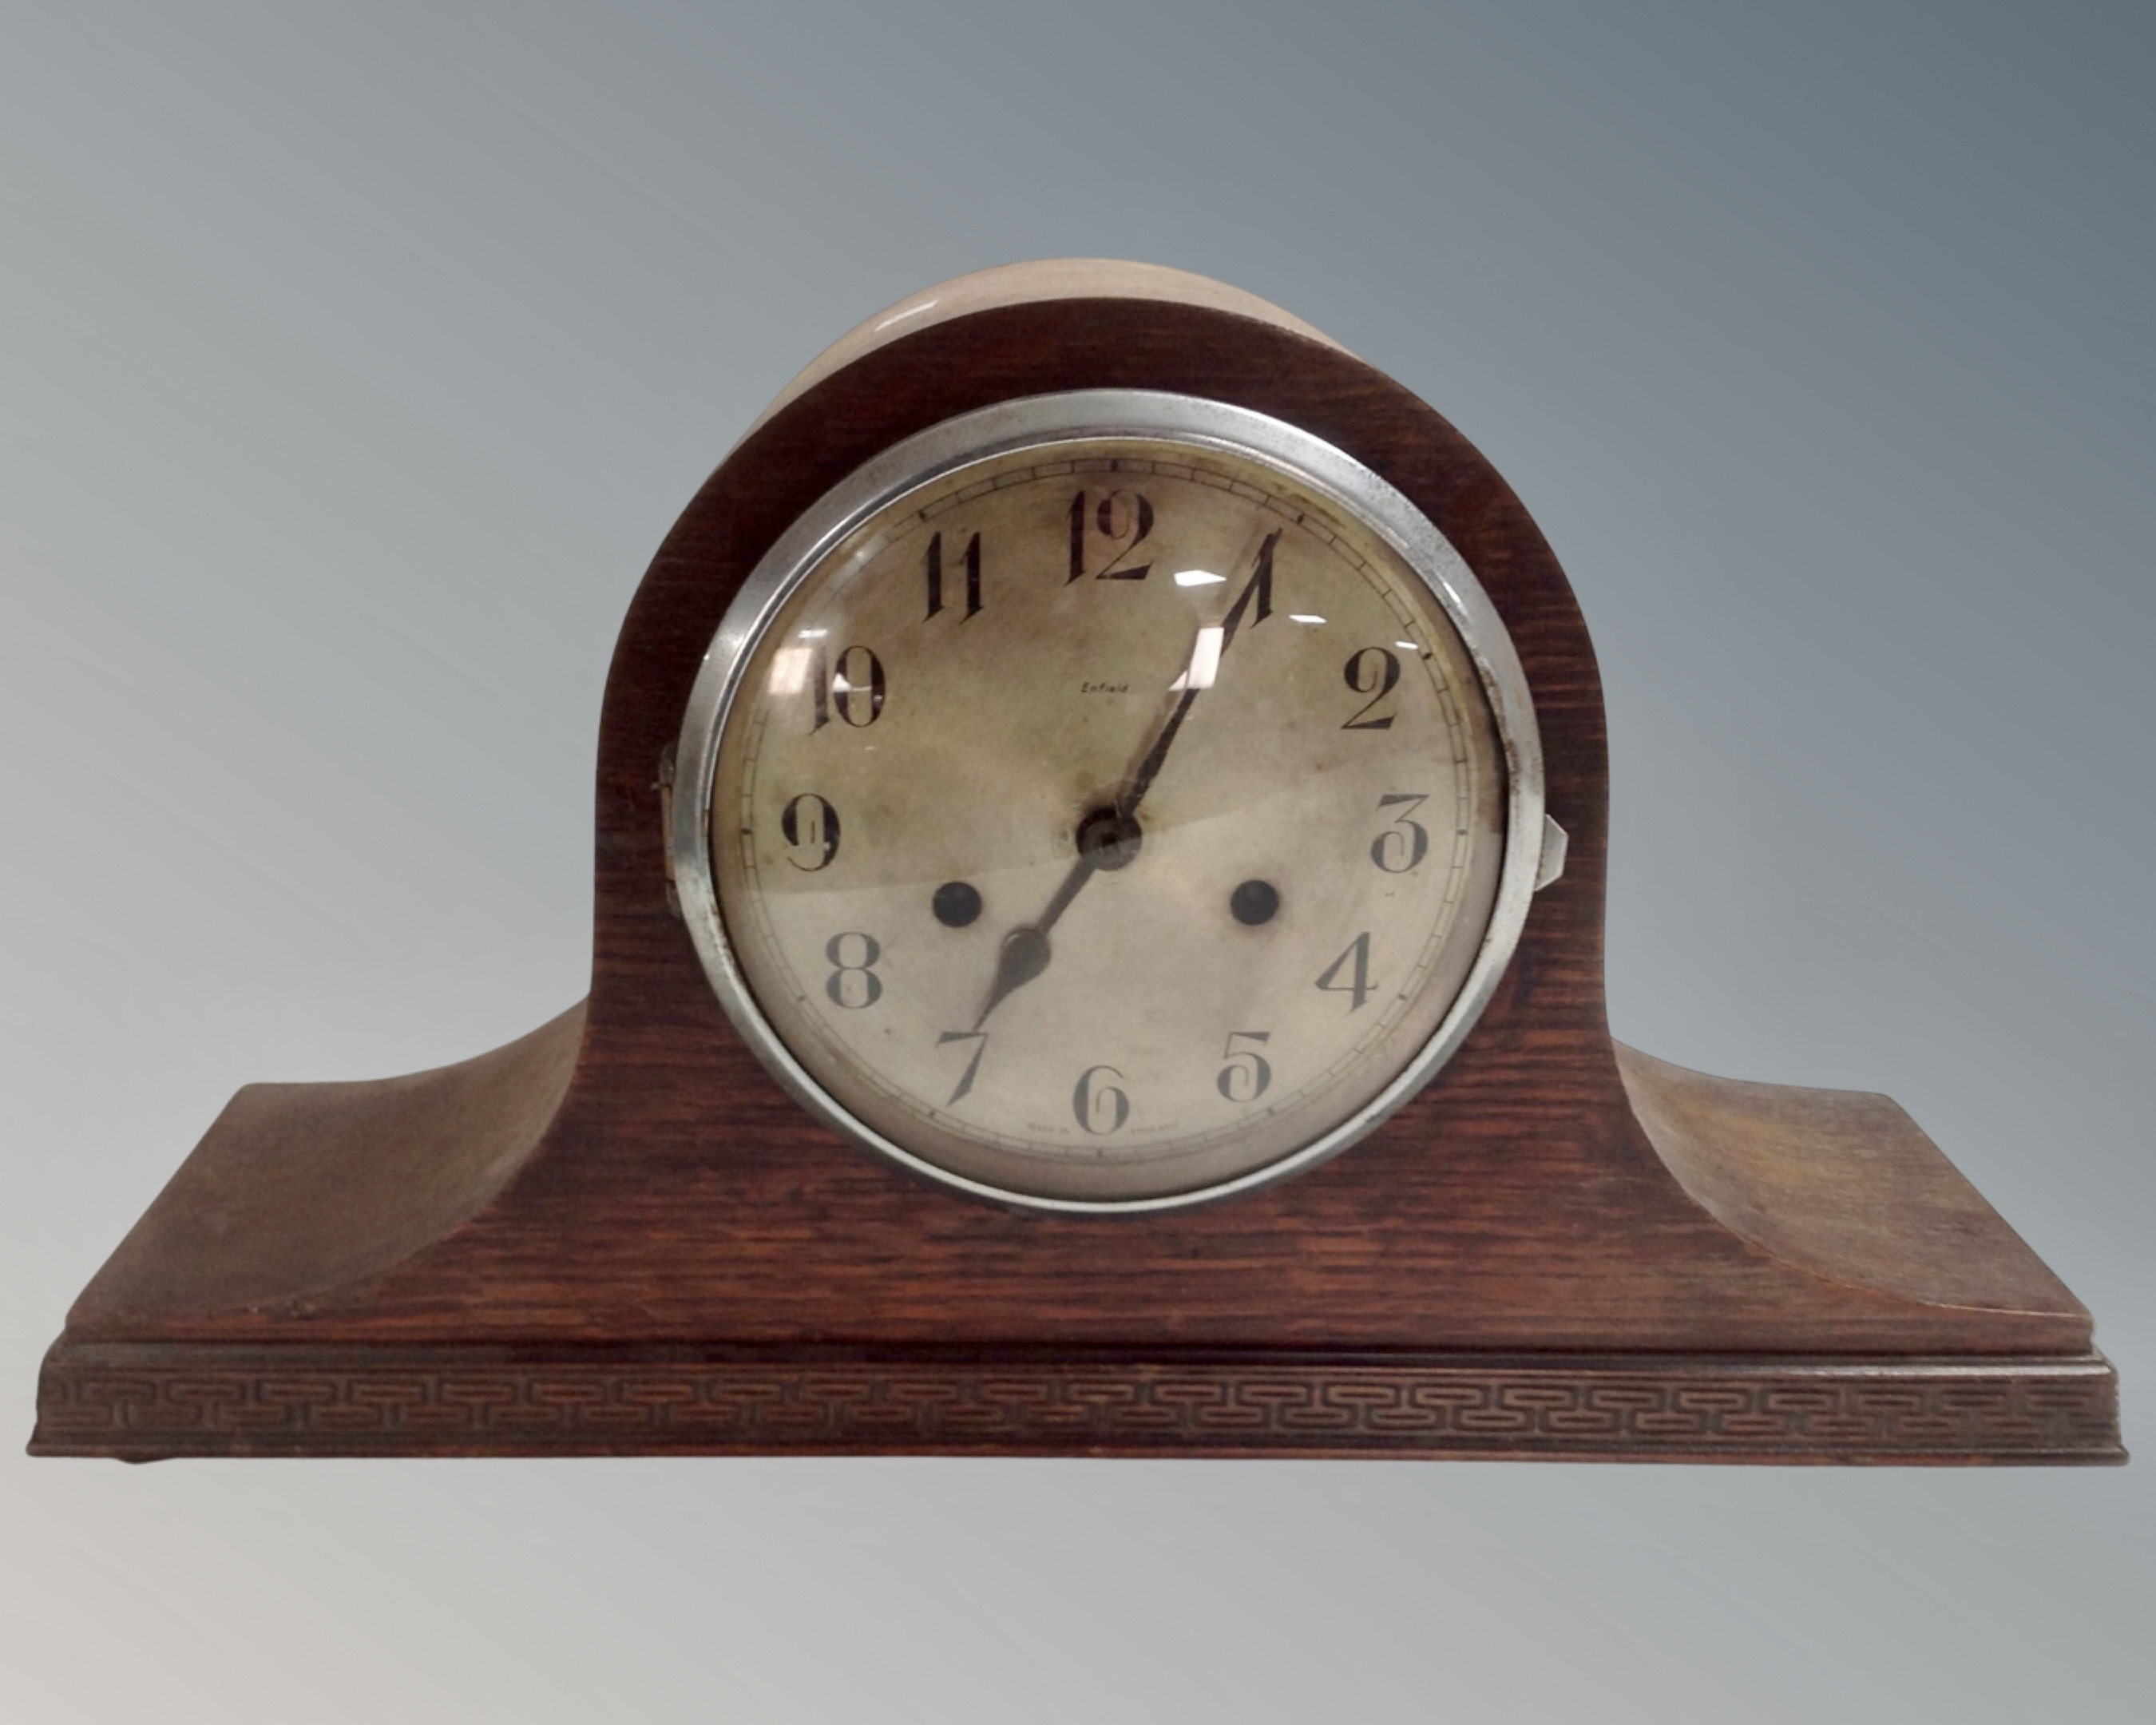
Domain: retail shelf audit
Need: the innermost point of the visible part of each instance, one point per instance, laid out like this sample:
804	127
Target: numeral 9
810	827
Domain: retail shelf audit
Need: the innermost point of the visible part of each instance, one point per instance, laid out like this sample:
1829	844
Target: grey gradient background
353	360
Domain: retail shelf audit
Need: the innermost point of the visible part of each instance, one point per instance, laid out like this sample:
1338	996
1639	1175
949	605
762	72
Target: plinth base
143	1403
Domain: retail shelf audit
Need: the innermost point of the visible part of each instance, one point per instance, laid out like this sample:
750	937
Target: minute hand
1025	951
1126	803
1259	590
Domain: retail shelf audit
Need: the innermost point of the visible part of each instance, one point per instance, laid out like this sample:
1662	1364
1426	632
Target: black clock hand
1025	951
1108	837
1260	587
1133	792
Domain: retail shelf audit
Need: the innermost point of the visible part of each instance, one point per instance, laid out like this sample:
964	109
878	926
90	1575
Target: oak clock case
1174	829
1039	1010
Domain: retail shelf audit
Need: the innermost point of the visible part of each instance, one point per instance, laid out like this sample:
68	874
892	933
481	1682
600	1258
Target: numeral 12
1139	513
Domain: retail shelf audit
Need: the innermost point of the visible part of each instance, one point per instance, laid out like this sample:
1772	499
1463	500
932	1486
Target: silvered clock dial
1108	800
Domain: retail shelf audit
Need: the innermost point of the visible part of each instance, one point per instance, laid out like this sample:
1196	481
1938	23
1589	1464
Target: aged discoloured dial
1106	821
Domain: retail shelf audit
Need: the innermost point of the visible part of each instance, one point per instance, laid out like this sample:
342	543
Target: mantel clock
1101	826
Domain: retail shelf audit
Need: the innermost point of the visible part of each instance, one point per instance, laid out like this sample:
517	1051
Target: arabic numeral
1248	1074
853	982
1356	961
1405	843
979	1038
1259	589
933	568
853	685
1374	671
1101	1108
1123	519
857	687
810	827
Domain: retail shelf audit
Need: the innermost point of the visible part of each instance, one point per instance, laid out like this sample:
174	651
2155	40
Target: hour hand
1024	955
1025	952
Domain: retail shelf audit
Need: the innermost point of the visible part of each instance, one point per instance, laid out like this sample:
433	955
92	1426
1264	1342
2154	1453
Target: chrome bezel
1038	422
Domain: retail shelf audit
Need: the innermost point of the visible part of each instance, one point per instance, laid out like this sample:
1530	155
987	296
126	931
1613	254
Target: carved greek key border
150	1400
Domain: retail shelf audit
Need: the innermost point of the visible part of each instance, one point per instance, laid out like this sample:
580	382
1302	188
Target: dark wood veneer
629	1178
